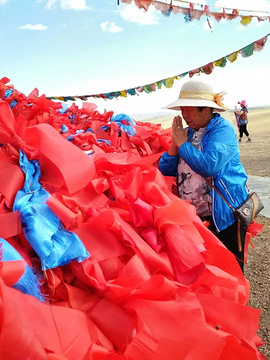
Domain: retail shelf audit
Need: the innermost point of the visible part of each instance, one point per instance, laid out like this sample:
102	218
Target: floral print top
192	186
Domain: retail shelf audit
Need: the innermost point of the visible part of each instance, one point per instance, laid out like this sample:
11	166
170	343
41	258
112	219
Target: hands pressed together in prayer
179	135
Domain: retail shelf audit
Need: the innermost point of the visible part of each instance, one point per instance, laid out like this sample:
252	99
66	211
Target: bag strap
239	243
256	205
230	206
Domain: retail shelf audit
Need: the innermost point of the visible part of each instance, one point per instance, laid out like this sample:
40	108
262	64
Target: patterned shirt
243	120
192	186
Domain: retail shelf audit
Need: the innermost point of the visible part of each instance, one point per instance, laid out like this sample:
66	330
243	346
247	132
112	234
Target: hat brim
176	105
241	103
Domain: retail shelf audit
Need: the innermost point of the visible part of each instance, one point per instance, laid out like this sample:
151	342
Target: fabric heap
124	268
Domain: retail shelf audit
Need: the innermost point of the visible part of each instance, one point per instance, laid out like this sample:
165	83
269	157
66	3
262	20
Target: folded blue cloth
54	245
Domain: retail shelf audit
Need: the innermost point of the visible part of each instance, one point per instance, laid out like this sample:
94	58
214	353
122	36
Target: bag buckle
246	211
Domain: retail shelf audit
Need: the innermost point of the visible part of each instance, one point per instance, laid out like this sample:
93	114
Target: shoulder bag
246	212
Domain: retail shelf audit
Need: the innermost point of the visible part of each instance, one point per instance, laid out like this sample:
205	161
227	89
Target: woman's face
196	118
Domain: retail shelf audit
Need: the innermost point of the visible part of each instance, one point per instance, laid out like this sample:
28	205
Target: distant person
204	155
242	120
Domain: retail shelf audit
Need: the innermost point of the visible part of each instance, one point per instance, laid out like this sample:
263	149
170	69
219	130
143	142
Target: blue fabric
28	283
187	17
13	103
167	13
8	92
64	128
108	142
127	128
131	92
89	129
72	136
79	131
64	108
219	159
71	117
109	96
46	234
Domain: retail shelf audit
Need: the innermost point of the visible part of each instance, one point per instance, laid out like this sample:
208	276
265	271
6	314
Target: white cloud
2	2
38	27
258	5
68	4
110	27
131	13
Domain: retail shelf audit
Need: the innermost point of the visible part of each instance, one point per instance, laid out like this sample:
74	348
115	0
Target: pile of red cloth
157	284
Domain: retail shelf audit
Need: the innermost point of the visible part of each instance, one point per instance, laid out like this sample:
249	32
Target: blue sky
78	47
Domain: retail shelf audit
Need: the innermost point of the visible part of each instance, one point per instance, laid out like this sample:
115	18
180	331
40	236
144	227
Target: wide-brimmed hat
243	102
198	93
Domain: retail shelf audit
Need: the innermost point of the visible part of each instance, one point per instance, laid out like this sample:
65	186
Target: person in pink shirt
243	120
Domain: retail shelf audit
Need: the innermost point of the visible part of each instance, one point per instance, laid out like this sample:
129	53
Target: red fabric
207	69
99	240
188	334
61	211
187	262
10	224
50	334
114	322
12	271
236	319
11	176
71	167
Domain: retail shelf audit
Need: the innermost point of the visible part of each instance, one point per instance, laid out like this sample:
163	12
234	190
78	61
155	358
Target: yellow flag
233	57
123	93
246	20
218	62
169	82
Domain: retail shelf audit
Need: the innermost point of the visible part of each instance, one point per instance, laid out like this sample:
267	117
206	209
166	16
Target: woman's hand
179	135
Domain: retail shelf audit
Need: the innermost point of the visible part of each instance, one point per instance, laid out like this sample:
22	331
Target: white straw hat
198	93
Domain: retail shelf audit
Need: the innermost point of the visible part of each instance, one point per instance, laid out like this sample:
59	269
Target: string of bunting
207	69
190	12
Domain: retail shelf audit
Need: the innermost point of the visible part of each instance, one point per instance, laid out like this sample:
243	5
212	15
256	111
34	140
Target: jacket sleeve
168	164
219	149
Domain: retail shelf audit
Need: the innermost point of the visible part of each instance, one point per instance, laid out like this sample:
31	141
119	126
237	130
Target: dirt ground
258	274
255	157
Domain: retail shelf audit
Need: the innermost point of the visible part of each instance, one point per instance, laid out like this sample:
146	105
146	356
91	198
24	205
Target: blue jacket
219	159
